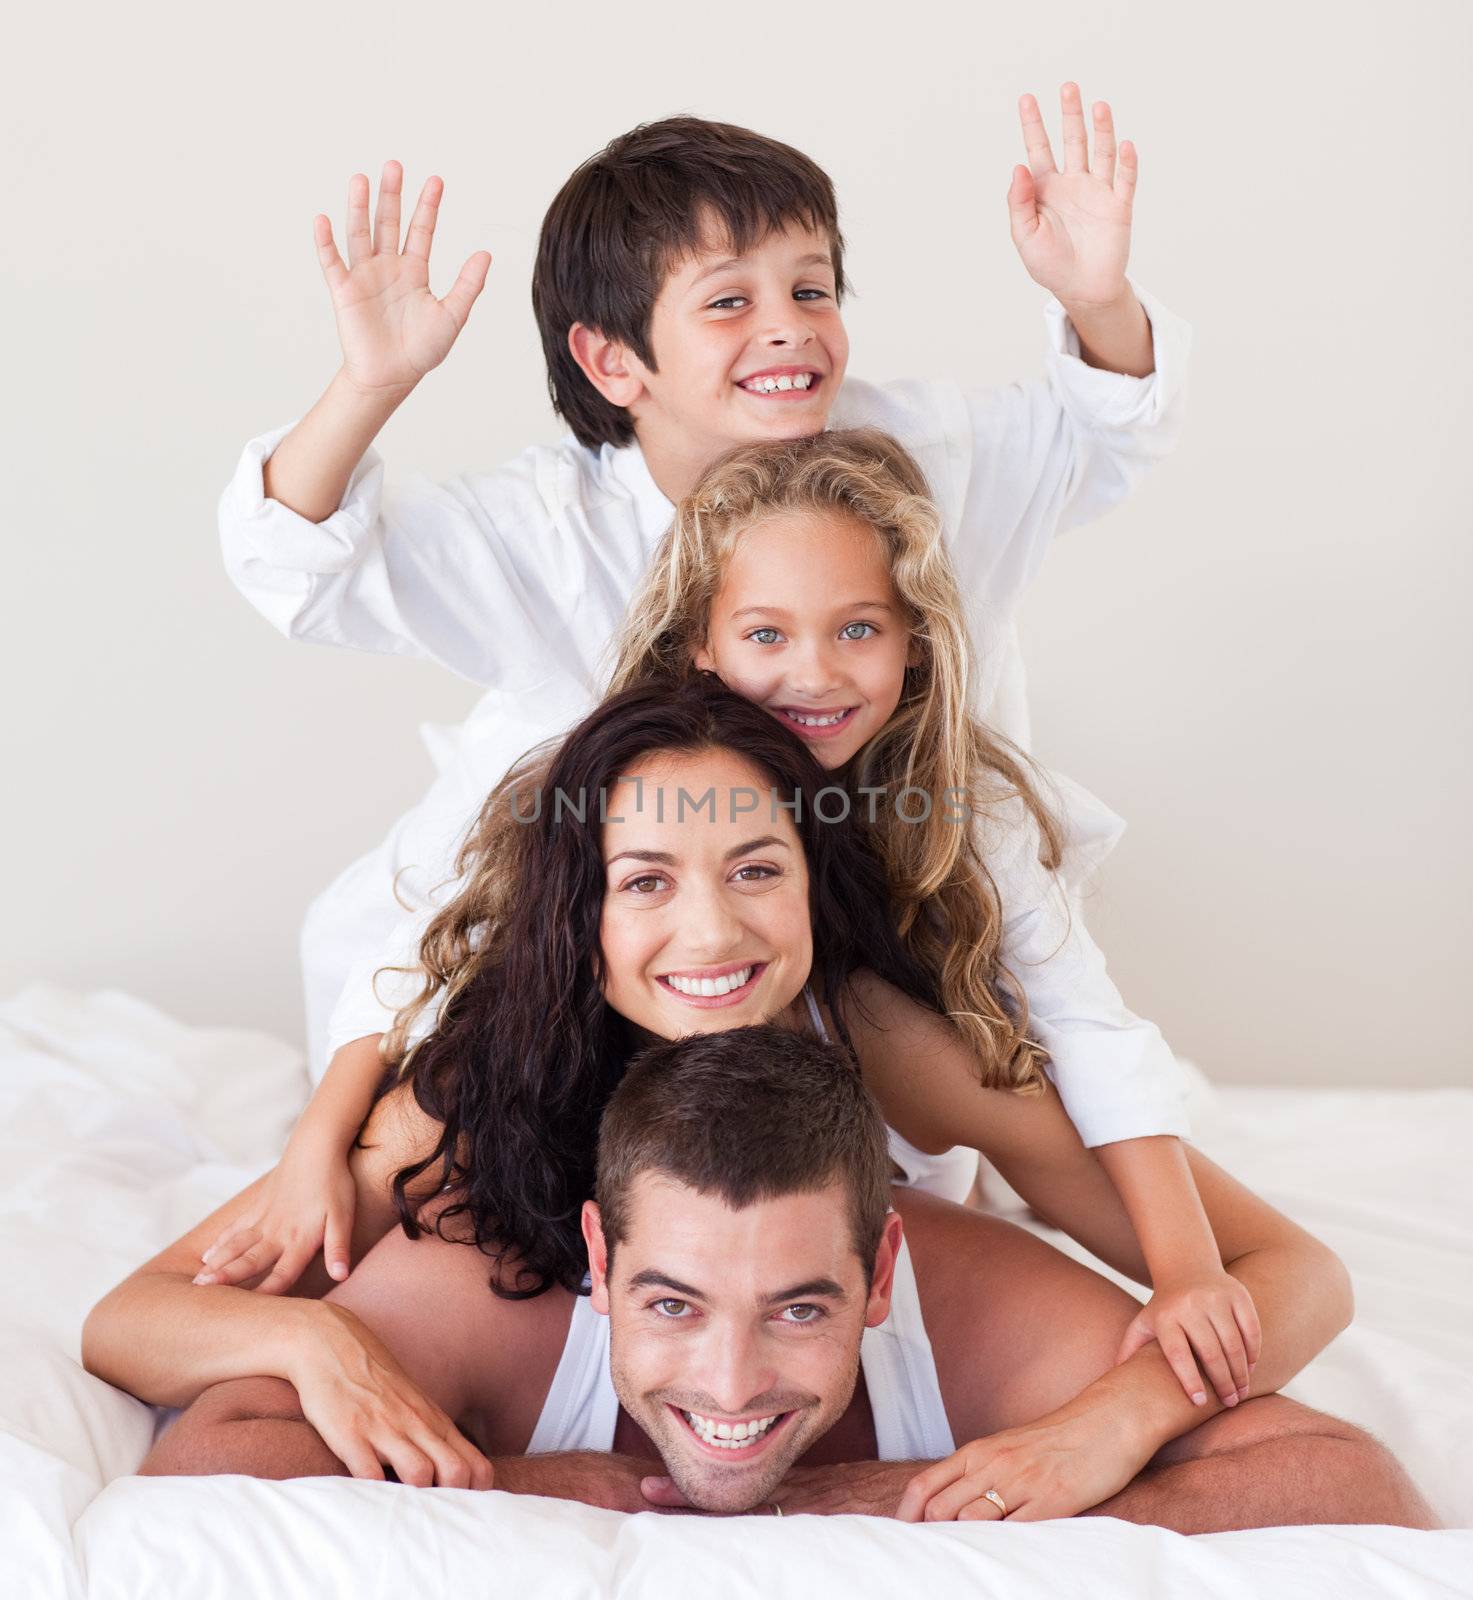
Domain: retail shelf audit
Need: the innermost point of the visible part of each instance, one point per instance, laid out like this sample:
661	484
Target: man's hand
611	1482
391	327
1072	228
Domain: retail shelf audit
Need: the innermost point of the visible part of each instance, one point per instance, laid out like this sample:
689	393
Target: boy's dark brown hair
628	214
746	1115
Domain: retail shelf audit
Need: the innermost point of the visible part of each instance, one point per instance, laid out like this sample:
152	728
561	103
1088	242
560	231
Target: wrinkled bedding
120	1127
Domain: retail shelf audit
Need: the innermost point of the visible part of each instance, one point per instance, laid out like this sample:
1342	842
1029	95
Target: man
765	1333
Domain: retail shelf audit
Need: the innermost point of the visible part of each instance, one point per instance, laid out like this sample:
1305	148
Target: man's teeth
798	380
816	722
728	1435
709	986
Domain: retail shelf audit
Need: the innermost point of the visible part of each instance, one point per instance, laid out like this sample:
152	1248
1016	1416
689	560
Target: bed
121	1127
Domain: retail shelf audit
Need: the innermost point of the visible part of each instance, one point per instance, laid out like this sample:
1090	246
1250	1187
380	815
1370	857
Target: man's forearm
309	470
1115	338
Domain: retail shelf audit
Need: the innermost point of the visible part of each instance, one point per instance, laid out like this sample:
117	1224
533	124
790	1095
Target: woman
503	1097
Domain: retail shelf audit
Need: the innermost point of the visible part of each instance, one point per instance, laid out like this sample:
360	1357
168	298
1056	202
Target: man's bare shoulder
432	1300
1016	1327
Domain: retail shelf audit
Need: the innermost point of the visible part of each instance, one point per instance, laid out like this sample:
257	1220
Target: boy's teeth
728	1435
816	722
797	380
709	986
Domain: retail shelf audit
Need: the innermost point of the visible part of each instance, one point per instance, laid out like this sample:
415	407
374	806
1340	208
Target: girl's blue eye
756	635
818	294
724	301
844	632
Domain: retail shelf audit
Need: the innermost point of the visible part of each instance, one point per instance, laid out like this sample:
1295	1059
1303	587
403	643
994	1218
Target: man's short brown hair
746	1115
630	212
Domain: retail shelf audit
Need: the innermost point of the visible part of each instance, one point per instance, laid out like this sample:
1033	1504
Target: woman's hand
1205	1321
307	1203
391	327
1072	228
372	1415
1060	1465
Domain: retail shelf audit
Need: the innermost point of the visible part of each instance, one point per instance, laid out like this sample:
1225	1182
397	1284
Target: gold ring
997	1500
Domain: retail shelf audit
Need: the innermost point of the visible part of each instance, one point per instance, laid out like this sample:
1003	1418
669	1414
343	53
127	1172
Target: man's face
746	348
735	1334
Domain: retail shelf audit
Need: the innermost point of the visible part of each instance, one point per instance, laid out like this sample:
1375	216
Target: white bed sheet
120	1127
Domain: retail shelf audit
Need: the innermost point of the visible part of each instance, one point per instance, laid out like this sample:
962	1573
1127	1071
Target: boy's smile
746	348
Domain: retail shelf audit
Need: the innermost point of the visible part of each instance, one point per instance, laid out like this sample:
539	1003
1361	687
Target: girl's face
705	923
807	624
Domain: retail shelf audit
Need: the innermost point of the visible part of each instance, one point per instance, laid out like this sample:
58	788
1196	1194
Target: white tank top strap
900	1375
581	1409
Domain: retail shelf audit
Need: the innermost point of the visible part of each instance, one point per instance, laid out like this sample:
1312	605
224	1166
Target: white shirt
519	578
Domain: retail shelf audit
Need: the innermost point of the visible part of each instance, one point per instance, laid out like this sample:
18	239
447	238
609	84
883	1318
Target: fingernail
1242	1394
1199	1399
203	1277
1232	1399
206	1256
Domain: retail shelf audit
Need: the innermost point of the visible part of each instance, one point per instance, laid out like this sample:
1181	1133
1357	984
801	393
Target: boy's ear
598	1256
608	365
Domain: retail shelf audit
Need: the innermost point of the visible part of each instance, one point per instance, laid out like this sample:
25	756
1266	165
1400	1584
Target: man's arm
1272	1463
255	1427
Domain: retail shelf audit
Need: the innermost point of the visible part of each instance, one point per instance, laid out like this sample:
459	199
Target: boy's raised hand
1072	228
392	329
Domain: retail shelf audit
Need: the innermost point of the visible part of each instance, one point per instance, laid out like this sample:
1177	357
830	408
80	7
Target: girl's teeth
709	986
816	722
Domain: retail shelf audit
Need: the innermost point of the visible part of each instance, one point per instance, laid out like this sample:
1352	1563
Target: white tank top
582	1409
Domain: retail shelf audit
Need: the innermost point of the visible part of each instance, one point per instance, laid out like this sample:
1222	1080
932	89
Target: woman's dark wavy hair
524	1057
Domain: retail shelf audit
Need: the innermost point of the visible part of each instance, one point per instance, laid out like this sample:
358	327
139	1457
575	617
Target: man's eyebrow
814	260
655	1278
815	1288
847	605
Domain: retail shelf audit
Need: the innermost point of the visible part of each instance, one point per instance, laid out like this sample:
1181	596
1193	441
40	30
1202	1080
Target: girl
811	576
576	964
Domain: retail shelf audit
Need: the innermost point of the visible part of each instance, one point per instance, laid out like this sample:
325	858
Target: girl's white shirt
518	579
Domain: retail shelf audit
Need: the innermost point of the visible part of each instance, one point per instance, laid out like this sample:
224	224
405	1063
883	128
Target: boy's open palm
1072	227
391	327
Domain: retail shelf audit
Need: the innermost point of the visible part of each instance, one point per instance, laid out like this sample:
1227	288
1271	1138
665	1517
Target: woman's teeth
798	380
727	1435
705	987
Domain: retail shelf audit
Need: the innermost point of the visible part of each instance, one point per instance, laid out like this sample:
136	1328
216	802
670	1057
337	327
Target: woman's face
705	920
807	624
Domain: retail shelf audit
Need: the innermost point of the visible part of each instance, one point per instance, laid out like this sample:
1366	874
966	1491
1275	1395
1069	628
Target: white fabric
120	1128
582	1408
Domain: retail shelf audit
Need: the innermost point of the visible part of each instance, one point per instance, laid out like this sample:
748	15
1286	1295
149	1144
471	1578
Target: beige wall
1262	660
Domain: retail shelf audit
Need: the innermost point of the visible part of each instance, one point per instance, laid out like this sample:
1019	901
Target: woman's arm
165	1339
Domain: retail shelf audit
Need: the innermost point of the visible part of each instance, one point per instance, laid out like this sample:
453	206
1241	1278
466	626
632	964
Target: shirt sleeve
1115	1074
1060	451
480	582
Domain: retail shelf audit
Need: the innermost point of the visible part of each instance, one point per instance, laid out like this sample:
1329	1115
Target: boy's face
747	1321
726	328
